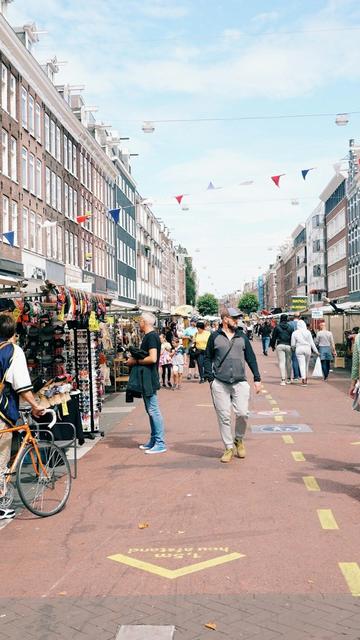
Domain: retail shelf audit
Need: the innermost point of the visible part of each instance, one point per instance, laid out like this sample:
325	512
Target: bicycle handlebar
53	419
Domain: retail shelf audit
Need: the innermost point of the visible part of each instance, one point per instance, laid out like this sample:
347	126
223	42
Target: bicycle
41	471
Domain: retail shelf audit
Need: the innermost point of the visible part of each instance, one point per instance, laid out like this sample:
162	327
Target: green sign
299	303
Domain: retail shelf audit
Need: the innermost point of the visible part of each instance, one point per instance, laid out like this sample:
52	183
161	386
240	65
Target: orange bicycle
41	471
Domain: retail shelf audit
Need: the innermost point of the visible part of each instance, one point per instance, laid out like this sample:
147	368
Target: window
74	169
53	190
48	239
32	231
13	96
5	215
66	199
24	168
5	152
67	241
31	115
48	185
71	203
13	159
39	233
54	242
335	225
76	251
4	87
58	144
14	220
47	132
65	151
75	204
31	173
59	193
70	167
337	251
25	227
52	137
38	122
38	179
24	114
71	248
337	279
60	243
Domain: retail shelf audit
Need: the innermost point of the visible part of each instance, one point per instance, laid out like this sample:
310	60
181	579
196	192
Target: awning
10	281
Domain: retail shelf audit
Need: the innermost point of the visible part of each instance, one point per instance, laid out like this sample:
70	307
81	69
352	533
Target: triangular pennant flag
88	214
210	186
115	214
276	179
304	172
179	198
80	219
10	237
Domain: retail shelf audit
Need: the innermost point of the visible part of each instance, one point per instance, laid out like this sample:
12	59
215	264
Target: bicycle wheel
43	488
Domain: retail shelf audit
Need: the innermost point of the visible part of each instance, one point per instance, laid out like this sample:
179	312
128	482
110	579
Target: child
165	361
177	362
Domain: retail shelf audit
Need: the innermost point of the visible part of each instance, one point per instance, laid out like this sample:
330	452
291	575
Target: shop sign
299	303
88	278
317	313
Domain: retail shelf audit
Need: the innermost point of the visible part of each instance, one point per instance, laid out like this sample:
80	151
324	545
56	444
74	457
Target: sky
203	59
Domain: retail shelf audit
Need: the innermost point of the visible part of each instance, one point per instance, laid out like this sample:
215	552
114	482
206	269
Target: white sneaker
288	381
282	383
6	514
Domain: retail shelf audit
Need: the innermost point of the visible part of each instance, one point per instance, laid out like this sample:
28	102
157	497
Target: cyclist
14	383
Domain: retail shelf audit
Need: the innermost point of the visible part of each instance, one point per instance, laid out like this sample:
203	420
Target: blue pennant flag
211	186
304	172
115	213
10	237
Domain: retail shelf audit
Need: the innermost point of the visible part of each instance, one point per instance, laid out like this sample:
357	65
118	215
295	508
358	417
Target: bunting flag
276	179
83	218
115	214
304	172
179	198
211	186
88	257
10	237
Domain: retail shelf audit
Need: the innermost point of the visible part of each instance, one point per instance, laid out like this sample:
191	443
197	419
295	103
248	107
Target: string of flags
9	237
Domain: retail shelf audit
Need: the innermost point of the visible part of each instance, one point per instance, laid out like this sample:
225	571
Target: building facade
353	222
336	233
315	251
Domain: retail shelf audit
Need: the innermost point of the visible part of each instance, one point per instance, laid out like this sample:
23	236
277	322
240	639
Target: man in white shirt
14	383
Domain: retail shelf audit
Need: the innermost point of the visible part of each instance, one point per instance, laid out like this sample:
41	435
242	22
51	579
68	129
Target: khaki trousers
5	448
225	396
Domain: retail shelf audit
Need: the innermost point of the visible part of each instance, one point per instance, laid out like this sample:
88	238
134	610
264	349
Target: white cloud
162	9
268	16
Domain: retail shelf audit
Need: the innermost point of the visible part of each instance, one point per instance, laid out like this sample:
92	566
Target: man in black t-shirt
151	344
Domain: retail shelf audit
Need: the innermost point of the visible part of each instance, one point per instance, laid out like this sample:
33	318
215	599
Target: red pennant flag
179	198
80	219
276	179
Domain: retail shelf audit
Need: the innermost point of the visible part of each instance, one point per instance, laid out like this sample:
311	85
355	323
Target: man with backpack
14	382
227	351
281	341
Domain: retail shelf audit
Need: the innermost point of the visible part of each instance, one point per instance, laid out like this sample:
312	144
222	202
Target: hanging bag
317	373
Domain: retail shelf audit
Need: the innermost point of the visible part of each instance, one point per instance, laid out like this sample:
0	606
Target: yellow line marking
172	574
288	439
327	519
311	483
298	456
351	573
355	442
268	397
278	419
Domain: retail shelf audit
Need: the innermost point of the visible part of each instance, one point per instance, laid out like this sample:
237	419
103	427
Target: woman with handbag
325	342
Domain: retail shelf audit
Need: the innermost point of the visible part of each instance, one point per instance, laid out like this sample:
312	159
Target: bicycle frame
29	439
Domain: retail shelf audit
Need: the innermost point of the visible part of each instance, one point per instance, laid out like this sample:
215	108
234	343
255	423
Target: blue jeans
265	343
156	419
200	362
295	365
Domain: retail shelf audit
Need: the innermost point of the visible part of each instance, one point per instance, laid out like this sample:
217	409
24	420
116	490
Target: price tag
65	410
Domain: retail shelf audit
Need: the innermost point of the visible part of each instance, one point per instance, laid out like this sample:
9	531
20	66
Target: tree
208	305
190	282
248	303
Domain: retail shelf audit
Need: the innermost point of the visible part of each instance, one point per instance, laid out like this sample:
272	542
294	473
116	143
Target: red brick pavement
198	509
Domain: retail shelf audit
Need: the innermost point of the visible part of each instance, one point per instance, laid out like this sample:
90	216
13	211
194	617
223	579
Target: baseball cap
232	312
